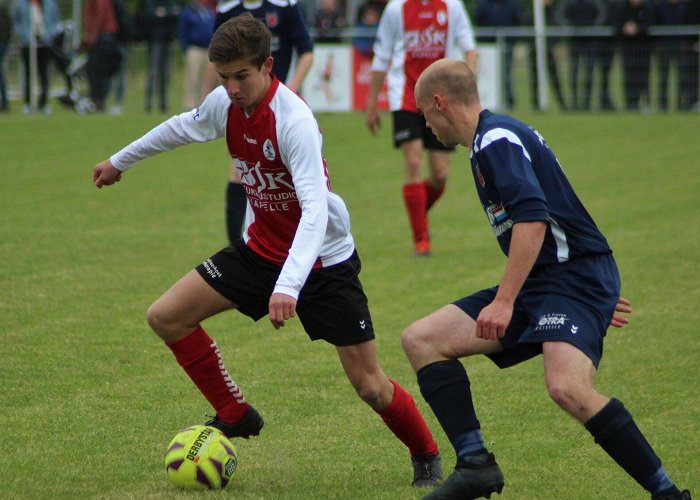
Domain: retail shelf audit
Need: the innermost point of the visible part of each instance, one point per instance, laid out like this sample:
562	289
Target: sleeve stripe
497	134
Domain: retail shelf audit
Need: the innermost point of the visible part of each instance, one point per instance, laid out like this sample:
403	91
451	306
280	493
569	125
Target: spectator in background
38	20
668	13
125	34
497	13
368	18
160	17
605	54
5	34
329	17
552	72
632	28
196	26
582	49
290	35
100	29
690	86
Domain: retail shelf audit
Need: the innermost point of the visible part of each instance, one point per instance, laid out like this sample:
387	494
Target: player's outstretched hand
282	307
104	174
623	306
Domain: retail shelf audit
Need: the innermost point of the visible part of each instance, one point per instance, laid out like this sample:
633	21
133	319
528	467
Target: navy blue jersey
519	179
285	20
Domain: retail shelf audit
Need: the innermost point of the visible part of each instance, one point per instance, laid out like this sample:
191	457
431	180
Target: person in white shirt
296	255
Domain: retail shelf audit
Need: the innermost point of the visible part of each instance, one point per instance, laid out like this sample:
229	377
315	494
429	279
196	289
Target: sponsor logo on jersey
428	43
269	191
249	140
498	218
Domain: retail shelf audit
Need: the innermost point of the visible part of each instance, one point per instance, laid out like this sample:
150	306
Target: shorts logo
211	269
362	324
551	321
574	329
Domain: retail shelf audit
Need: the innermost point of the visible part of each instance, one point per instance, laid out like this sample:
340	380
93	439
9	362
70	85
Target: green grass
90	397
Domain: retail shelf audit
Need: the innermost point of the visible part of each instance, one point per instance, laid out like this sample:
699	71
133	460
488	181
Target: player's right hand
104	174
281	308
372	120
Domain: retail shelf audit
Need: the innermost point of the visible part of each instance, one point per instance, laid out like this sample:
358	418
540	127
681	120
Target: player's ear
439	102
267	65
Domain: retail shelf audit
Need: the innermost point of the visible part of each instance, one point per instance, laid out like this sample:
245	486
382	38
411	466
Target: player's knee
370	393
160	322
567	396
411	340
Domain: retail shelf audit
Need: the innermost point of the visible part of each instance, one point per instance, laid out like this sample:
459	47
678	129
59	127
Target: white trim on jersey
496	134
560	240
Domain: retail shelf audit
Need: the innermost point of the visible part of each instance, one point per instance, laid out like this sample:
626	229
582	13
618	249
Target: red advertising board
362	76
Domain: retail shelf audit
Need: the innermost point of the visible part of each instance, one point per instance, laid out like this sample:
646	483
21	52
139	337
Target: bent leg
386	397
569	374
448	333
179	310
176	317
433	345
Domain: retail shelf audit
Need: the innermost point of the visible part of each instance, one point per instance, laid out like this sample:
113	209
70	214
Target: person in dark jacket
497	13
581	14
5	34
161	18
632	29
690	70
668	13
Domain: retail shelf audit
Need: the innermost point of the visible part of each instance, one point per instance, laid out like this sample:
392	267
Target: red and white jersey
293	218
411	35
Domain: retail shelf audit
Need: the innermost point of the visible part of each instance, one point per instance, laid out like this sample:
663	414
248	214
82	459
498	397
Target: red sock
415	198
405	421
199	356
431	195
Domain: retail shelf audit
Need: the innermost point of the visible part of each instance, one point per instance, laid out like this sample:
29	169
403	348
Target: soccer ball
200	458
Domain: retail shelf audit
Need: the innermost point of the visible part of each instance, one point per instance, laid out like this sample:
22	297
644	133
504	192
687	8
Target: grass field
90	398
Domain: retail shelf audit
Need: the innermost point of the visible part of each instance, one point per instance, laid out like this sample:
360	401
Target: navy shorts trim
409	126
571	302
332	304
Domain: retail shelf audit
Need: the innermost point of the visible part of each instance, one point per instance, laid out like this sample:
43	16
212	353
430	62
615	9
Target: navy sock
615	431
445	387
235	210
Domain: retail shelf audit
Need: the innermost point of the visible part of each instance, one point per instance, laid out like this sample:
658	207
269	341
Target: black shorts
409	126
332	304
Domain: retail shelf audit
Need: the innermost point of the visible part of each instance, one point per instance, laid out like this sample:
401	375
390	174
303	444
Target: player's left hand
623	306
282	307
493	321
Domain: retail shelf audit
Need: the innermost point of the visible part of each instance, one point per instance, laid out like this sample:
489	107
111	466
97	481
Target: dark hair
241	37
